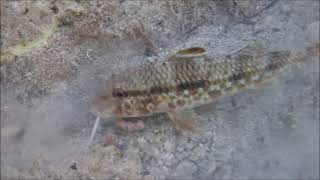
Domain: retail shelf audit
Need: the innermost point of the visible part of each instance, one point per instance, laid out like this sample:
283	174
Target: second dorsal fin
188	54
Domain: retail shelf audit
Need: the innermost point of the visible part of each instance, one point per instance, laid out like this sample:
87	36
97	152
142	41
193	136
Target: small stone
168	146
185	169
74	166
11	131
212	166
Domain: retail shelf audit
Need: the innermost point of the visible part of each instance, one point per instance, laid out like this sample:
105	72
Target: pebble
168	146
187	168
10	131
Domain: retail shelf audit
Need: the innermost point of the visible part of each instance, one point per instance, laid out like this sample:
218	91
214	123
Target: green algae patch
26	46
23	47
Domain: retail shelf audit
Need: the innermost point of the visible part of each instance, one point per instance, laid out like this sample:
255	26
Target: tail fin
305	55
314	50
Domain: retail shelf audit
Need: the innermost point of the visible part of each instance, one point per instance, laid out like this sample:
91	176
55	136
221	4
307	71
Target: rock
168	146
11	131
185	169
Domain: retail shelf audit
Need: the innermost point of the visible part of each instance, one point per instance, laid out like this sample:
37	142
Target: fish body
189	79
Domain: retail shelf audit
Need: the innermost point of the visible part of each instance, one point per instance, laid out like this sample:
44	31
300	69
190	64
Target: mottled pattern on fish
188	79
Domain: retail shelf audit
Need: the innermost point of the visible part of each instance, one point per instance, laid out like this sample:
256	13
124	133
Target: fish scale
190	78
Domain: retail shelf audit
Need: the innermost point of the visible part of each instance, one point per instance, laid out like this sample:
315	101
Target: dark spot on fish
235	77
272	67
159	90
54	8
278	55
181	102
200	84
155	90
277	60
183	86
214	94
119	94
137	92
191	85
244	75
133	93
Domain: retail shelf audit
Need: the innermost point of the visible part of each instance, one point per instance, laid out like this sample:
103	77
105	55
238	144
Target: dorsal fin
191	51
188	54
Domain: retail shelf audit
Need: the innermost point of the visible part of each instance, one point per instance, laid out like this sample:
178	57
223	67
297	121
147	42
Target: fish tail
314	50
303	56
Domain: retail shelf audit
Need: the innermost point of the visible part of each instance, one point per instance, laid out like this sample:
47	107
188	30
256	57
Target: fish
190	78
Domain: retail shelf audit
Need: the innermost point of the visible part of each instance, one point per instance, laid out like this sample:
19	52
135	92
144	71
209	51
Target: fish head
114	102
103	105
106	101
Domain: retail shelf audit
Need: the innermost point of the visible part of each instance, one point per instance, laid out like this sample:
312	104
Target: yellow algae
27	46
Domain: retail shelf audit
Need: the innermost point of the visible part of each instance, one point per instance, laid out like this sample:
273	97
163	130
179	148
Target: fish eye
119	94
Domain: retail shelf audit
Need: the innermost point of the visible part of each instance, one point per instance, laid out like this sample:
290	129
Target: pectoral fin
183	120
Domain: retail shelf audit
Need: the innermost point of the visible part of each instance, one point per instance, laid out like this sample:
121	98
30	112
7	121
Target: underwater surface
55	54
